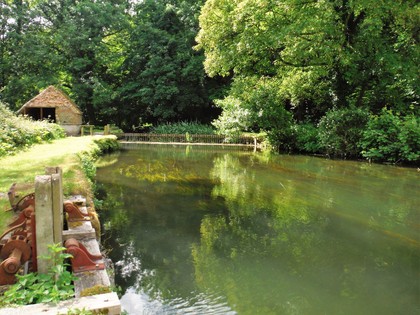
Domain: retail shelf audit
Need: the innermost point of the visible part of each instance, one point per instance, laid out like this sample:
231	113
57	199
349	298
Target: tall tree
122	61
83	32
163	77
27	62
309	56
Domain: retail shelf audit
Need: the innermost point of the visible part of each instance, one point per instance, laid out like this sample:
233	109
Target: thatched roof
51	97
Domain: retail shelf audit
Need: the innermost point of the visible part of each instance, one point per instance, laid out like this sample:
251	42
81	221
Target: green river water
210	230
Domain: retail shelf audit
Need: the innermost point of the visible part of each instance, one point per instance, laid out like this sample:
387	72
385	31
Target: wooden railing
82	129
187	138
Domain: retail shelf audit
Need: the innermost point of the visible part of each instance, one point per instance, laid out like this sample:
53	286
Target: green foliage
308	57
107	145
43	288
256	105
164	77
18	132
340	131
123	62
183	127
306	138
87	159
234	118
391	137
88	166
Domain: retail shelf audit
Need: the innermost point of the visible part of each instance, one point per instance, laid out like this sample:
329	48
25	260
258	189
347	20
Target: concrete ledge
106	303
78	235
85	234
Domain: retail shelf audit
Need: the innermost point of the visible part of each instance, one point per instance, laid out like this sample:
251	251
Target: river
211	230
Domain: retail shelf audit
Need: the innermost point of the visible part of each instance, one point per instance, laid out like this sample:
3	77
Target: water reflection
141	303
219	232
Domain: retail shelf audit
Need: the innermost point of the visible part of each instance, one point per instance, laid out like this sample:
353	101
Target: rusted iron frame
82	260
20	204
74	213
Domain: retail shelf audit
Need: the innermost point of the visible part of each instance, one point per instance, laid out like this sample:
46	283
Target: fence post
57	202
44	220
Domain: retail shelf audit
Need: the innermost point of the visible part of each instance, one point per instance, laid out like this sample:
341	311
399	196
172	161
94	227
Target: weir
189	139
42	216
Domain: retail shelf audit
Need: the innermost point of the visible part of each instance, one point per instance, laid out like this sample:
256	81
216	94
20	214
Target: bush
391	138
340	131
18	132
183	127
306	138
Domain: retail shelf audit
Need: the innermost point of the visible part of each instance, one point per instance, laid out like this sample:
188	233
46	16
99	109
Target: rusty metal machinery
74	213
23	216
20	247
22	203
83	260
18	242
15	252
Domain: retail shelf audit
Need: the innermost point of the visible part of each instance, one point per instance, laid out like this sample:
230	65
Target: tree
124	62
25	45
315	54
70	43
163	77
84	34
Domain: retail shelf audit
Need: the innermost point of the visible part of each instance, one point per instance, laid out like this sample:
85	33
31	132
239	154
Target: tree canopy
309	56
288	68
123	62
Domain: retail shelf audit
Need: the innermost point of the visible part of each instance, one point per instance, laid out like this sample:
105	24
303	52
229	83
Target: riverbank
72	154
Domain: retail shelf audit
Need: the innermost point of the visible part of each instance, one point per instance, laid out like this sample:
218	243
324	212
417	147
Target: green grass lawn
24	166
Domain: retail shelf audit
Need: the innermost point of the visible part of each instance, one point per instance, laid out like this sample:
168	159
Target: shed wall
65	115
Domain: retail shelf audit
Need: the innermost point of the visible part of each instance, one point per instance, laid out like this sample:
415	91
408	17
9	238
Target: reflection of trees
261	211
266	229
275	235
273	246
160	239
154	219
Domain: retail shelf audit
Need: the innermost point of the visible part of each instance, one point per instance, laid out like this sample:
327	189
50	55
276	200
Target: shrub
107	145
183	127
391	138
409	138
306	138
234	119
340	131
18	132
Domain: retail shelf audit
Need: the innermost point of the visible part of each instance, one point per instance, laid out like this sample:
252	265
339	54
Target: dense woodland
337	77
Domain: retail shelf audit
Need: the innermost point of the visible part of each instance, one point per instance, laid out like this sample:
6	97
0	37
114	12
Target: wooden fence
188	139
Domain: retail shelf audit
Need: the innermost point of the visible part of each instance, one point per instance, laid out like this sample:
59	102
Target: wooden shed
55	105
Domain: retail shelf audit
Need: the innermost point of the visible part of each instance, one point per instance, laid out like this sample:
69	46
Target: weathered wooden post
57	202
44	220
49	214
107	129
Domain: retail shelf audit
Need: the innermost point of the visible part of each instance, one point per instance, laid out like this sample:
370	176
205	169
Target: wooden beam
44	220
57	202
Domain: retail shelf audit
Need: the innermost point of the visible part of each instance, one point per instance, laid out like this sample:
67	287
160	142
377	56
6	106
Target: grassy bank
65	153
